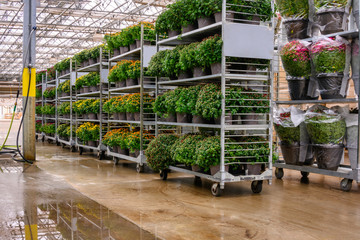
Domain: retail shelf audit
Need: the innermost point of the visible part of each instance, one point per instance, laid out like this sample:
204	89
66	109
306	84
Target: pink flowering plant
295	57
328	56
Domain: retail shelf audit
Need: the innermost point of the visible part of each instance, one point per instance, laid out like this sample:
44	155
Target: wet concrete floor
181	209
29	196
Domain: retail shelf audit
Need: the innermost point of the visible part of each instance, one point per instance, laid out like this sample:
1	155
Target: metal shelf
133	89
125	157
189	124
93	67
193	36
132	122
300	102
91	94
66	76
347	34
133	54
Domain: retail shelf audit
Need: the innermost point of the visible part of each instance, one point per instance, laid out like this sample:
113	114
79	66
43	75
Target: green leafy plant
64	108
158	153
133	140
160	106
187	99
293	9
40	75
261	8
86	106
184	149
209	51
208	152
120	72
171	97
88	132
208	104
38	126
38	93
50	92
48	128
295	57
254	102
328	56
325	128
64	87
189	58
286	130
48	109
171	66
116	137
134	70
38	109
156	64
62	130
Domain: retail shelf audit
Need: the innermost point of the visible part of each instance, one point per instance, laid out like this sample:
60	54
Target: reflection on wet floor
35	205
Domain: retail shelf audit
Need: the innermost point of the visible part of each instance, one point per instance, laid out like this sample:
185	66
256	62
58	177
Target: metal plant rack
47	119
147	85
70	120
238	45
102	68
344	171
41	117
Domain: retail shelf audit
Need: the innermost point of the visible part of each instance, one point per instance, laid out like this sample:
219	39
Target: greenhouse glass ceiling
66	27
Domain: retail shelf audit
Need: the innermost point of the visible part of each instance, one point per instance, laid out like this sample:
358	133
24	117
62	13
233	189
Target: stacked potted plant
93	81
209	53
294	139
94	109
120	73
296	15
38	109
328	56
117	107
49	129
83	107
186	103
208	154
133	73
133	142
158	152
331	15
132	105
189	63
38	93
64	88
62	132
327	131
89	134
49	110
39	76
63	67
51	73
208	105
170	64
50	93
295	57
64	109
115	139
156	63
38	126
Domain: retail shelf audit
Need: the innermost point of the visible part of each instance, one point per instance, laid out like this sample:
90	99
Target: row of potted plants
126	142
64	109
185	61
64	88
38	92
331	16
40	75
50	93
128	107
63	67
88	108
64	132
88	134
186	15
203	152
125	73
90	56
48	129
129	38
47	109
51	73
319	132
202	104
88	83
328	56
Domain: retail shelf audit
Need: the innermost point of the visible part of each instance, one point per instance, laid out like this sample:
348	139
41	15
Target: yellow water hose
8	133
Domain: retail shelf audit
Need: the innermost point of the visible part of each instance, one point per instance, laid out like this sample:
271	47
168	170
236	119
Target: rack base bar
267	175
50	138
341	172
88	147
69	143
125	157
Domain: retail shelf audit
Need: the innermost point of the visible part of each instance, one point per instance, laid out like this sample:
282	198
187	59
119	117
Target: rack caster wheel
73	149
197	180
101	155
58	143
279	173
116	161
215	190
49	141
346	184
81	150
36	137
256	186
305	180
164	174
140	168
43	139
305	174
63	145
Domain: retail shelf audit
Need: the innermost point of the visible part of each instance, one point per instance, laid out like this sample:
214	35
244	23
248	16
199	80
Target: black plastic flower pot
298	88
124	50
296	28
120	84
135	154
122	116
329	156
116	52
137	116
198	119
330	85
253	169
199	72
171	118
215	68
189	28
132	82
130	116
216	169
183	118
331	20
229	17
205	21
115	149
185	75
294	154
173	33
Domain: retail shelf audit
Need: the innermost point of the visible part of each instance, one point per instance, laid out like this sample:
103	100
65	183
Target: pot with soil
330	85
173	33
132	82
215	68
331	20
116	116
189	28
94	88
130	116
183	118
92	61
120	84
124	50
205	21
185	75
229	17
86	89
92	116
137	116
328	156
171	117
296	28
133	46
199	72
114	149
116	52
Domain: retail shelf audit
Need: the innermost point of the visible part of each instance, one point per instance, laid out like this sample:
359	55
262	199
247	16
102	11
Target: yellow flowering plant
88	132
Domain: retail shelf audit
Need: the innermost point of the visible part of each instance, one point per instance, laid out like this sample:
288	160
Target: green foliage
171	97
88	132
48	128
208	104
296	59
50	92
134	70
184	149
255	7
62	130
160	105
326	128
293	9
167	20
116	137
285	129
90	79
189	57
121	71
51	73
63	65
64	108
326	4
39	76
156	65
187	99
254	102
38	92
209	51
38	109
158	153
171	65
208	152
64	87
48	109
86	106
